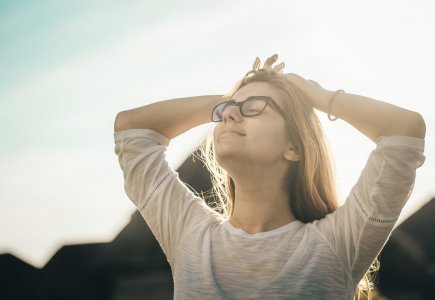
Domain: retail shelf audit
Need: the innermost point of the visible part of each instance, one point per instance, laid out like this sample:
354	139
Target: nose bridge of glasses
232	107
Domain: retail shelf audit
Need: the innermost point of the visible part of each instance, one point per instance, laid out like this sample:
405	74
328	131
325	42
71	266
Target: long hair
310	181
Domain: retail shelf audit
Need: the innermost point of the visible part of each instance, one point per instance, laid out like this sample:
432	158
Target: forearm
170	117
374	118
371	117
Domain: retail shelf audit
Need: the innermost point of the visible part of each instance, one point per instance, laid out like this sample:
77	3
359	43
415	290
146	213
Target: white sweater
211	259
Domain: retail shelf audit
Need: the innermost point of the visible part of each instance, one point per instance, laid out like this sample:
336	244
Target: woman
278	232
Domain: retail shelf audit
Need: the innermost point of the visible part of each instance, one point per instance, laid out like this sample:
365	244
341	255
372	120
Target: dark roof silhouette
408	259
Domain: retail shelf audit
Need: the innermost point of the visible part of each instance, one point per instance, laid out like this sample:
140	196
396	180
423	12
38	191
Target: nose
232	113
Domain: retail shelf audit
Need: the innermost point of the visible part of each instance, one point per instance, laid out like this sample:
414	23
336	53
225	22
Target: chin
225	155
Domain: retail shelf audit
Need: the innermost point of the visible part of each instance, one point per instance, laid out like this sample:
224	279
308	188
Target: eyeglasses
253	106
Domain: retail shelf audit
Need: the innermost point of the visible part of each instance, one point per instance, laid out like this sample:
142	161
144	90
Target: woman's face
260	139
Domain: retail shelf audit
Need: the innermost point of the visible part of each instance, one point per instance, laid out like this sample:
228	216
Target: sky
68	67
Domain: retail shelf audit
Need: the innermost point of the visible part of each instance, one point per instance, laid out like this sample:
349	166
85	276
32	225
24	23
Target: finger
279	68
270	61
256	64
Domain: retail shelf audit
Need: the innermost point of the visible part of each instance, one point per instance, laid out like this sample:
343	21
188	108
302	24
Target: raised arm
371	117
171	117
170	209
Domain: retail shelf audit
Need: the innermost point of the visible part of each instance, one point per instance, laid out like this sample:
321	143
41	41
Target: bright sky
67	68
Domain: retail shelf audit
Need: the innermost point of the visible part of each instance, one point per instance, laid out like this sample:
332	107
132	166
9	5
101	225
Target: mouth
232	132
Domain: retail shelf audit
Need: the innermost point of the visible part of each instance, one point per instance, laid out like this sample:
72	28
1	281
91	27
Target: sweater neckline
285	228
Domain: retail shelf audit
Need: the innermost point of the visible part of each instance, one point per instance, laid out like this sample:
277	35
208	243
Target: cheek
268	142
265	145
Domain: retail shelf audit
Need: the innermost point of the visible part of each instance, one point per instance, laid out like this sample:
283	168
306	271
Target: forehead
256	89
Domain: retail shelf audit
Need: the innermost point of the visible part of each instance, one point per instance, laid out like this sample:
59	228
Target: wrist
331	104
210	103
322	100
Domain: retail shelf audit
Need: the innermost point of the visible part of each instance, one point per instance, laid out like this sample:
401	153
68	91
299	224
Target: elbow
417	126
410	124
119	122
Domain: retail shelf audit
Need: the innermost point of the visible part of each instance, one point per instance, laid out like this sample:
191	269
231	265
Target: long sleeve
170	209
358	230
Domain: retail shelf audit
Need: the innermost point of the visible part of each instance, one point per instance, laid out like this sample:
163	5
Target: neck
261	202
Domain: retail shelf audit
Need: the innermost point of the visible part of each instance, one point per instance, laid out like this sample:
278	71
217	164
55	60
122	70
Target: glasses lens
253	107
219	109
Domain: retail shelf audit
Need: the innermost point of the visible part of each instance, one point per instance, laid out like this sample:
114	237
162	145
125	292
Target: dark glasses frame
267	99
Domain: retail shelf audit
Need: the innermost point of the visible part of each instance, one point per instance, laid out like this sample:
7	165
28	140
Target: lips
232	131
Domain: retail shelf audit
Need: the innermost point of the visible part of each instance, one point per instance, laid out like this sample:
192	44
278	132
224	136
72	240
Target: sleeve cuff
401	140
412	145
142	132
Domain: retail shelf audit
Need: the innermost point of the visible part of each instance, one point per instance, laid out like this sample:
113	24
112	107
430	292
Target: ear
291	154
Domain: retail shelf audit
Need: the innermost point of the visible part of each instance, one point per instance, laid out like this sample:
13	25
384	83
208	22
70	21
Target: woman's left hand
316	94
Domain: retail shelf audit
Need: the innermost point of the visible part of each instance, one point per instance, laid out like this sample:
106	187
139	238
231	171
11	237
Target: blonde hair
311	180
